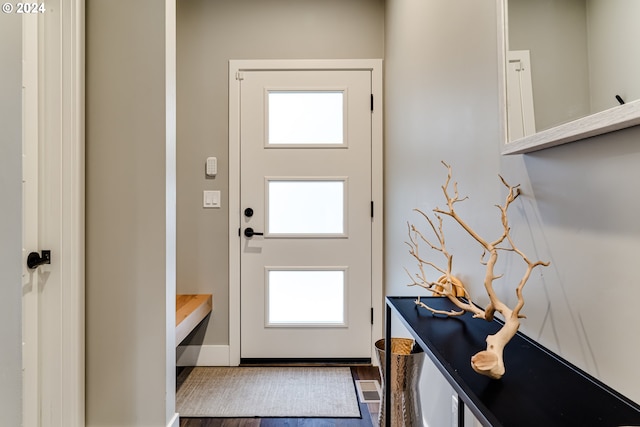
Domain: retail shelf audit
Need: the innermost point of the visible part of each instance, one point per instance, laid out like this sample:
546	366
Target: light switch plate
211	199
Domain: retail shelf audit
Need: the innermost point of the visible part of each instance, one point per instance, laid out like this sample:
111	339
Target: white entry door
306	214
53	216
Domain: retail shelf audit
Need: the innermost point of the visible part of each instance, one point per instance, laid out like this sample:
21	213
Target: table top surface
539	388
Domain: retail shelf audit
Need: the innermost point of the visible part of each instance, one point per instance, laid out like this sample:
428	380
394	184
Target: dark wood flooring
369	412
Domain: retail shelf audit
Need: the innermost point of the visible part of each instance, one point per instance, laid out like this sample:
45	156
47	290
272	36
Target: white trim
170	84
240	65
73	219
616	118
174	421
503	47
234	213
235	73
377	196
202	355
525	91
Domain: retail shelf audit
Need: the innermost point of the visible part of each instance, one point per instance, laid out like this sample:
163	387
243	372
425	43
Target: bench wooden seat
190	310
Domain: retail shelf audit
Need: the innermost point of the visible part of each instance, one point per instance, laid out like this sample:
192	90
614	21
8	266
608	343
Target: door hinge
372	315
239	75
372	209
371	102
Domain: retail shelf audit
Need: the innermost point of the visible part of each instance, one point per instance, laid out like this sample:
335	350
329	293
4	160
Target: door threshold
336	361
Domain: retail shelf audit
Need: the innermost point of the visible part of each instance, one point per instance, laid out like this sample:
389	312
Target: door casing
236	67
520	107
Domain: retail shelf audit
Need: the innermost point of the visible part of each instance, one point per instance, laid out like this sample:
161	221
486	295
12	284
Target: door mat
287	392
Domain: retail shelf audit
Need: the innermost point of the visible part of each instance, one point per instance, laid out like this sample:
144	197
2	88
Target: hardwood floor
369	412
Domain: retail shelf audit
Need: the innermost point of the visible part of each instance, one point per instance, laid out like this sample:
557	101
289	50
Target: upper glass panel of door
305	118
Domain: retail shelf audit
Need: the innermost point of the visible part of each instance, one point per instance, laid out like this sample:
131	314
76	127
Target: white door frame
524	90
72	256
236	67
60	36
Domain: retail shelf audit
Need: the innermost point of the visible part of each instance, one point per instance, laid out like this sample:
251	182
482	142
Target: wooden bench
190	310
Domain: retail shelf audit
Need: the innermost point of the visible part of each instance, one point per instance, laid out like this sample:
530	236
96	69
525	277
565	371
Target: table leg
460	412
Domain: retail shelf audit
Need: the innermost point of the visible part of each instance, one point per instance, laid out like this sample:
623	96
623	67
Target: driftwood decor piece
488	362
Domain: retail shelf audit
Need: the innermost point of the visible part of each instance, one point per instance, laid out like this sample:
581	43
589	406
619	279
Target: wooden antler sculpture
488	362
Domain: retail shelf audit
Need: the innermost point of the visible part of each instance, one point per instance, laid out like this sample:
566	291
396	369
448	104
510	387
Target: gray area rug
287	392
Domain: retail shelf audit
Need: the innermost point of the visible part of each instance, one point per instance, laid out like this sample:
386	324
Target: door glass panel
305	297
305	117
306	207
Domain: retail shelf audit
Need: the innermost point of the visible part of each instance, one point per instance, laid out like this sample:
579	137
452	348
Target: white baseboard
175	421
202	355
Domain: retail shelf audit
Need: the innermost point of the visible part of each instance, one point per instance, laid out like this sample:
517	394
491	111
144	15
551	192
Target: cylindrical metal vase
405	375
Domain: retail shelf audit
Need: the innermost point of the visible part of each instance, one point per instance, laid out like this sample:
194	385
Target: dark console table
538	389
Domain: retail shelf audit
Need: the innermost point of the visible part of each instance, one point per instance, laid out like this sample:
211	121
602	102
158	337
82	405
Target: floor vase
406	365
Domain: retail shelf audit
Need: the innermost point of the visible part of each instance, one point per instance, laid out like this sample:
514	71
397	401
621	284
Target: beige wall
130	282
613	51
555	33
578	208
10	219
210	33
440	104
581	54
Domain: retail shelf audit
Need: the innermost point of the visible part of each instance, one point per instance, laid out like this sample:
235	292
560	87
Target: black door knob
248	232
34	259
